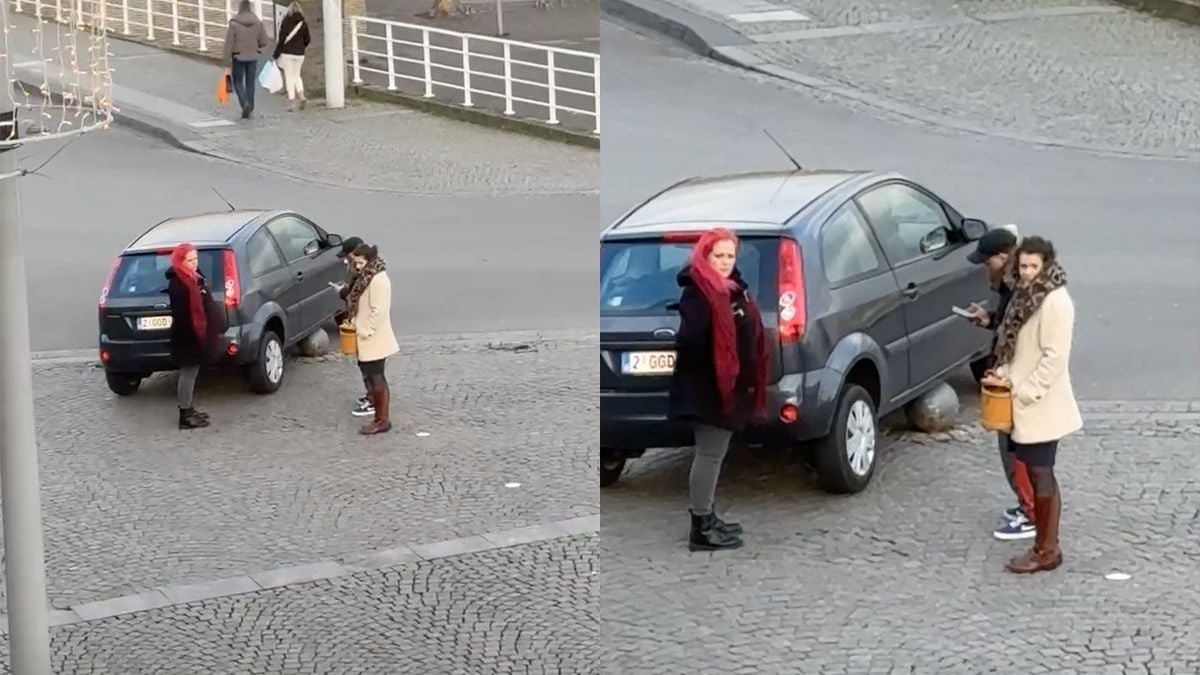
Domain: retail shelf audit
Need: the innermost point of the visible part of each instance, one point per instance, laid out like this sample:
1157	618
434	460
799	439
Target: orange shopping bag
223	87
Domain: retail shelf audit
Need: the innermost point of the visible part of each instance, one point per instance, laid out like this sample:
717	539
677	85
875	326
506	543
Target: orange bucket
995	406
349	339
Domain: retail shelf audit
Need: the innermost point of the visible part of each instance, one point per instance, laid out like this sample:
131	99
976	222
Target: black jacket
996	317
693	395
186	348
298	43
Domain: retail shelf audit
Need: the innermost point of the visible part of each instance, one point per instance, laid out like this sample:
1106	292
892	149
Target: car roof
200	230
755	200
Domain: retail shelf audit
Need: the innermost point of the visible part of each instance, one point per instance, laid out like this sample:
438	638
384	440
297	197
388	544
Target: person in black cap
363	407
996	251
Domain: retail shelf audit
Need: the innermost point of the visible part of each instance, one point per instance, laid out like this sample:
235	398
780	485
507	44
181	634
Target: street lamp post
335	55
20	489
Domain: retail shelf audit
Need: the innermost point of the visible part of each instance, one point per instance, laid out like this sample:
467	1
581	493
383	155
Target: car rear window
639	276
144	274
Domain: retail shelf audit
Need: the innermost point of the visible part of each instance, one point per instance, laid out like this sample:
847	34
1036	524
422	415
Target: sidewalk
1086	74
367	145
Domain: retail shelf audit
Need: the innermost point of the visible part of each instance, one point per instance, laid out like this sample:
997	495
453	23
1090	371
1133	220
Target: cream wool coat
1044	407
373	321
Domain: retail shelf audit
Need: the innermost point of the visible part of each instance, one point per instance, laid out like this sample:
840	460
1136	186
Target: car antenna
783	150
231	206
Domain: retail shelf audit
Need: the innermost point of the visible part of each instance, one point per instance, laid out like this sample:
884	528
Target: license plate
647	363
154	322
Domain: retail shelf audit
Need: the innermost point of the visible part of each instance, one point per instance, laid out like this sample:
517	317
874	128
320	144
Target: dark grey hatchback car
856	273
270	270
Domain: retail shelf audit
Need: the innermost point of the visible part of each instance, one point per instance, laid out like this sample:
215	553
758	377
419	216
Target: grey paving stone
299	574
391	557
216	588
125	604
526	535
581	525
452	547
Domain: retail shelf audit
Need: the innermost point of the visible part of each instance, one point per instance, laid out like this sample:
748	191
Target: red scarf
191	281
717	291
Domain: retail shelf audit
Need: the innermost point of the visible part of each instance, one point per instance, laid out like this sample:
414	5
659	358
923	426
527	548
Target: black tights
375	383
1044	482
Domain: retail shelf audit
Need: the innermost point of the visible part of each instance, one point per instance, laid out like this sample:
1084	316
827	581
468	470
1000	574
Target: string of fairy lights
64	79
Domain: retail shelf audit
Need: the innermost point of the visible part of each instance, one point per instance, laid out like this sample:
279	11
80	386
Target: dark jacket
994	319
299	42
693	395
186	348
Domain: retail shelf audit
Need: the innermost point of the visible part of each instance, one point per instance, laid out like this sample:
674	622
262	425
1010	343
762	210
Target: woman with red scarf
194	326
719	383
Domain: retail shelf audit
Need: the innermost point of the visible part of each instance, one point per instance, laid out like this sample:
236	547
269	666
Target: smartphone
966	314
334	284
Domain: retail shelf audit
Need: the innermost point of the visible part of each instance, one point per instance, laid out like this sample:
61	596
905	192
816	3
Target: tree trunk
314	58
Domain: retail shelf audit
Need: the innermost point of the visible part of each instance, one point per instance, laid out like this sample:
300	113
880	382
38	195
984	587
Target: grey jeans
186	389
711	445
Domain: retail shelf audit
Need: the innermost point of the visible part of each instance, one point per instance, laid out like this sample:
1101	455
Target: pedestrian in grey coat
245	42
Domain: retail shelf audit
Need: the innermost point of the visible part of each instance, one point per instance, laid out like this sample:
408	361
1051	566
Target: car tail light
792	301
232	350
233	286
104	356
789	413
112	275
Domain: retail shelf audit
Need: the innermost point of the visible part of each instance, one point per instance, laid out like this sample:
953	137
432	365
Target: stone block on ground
315	343
934	411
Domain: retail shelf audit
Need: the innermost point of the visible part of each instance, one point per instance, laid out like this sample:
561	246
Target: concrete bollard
935	410
315	343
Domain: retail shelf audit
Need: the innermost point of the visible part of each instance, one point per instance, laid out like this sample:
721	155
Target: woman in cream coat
369	303
1034	350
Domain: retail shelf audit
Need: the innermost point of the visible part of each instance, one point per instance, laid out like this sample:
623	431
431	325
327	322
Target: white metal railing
549	80
200	24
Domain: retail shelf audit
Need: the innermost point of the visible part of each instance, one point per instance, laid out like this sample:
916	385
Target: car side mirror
934	241
973	228
333	240
312	247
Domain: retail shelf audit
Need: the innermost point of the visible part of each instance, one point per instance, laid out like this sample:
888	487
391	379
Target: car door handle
300	275
910	291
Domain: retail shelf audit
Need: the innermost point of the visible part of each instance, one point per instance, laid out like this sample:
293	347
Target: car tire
267	371
123	384
846	458
612	464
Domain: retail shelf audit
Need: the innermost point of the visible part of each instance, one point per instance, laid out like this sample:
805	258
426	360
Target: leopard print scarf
1025	301
361	281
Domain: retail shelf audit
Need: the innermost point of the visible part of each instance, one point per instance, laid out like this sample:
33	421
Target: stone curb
175	595
1187	11
714	40
514	340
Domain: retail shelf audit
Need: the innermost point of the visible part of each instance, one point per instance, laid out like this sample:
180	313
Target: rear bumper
153	356
635	421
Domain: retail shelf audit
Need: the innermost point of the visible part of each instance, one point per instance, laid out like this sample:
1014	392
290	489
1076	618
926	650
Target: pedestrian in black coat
196	321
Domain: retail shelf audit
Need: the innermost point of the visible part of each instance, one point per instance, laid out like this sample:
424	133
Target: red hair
716	289
191	281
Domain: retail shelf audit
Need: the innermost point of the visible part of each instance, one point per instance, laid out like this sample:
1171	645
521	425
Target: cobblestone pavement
1075	72
906	577
131	503
528	610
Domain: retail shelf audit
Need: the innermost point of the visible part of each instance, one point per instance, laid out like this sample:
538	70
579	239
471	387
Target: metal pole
499	18
335	57
20	490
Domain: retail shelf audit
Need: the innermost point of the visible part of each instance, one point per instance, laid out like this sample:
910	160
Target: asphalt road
1126	227
459	263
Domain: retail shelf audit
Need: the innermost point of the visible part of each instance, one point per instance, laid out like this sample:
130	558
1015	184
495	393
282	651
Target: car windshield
639	276
144	274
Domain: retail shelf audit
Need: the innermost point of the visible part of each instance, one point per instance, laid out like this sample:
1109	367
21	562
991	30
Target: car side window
902	216
263	255
293	235
846	250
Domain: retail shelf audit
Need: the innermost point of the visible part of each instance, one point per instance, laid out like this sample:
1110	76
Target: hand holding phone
336	285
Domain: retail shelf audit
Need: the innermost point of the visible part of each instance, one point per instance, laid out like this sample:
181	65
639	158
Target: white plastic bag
270	77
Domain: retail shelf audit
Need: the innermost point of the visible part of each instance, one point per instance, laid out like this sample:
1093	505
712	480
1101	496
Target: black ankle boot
188	419
727	528
705	536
